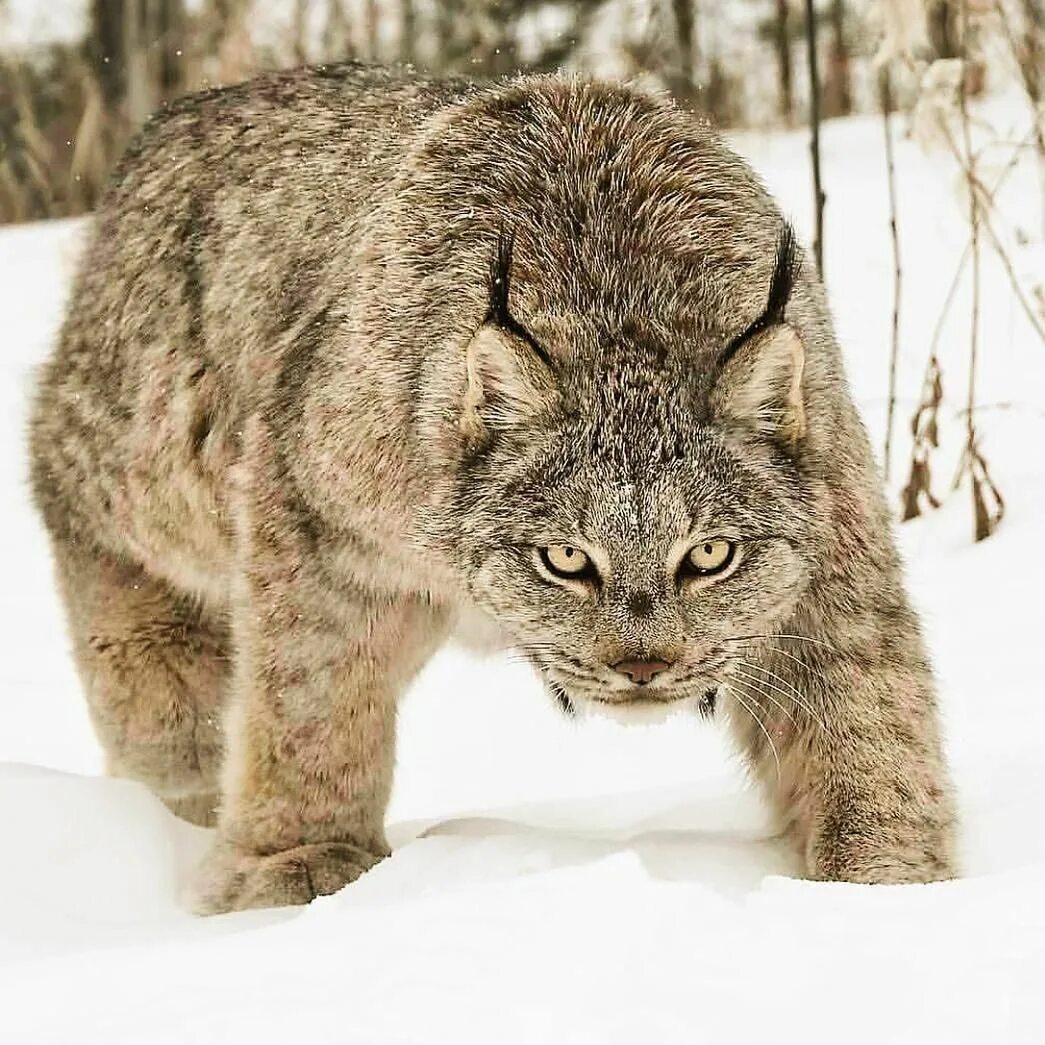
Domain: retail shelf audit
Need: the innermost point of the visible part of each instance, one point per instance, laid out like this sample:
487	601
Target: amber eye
566	561
711	557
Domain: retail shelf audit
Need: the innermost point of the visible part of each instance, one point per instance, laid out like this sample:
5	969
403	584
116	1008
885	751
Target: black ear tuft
785	272
499	314
786	267
500	280
759	375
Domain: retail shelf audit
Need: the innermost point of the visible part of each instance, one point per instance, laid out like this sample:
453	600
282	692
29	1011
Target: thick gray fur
285	447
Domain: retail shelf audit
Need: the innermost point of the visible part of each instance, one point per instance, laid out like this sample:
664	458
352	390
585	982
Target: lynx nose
641	671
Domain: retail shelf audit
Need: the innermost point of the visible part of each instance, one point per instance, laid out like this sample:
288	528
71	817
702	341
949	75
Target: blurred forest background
78	77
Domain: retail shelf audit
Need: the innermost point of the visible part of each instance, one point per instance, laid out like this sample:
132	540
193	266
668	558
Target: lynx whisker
754	684
758	722
781	635
802	664
782	686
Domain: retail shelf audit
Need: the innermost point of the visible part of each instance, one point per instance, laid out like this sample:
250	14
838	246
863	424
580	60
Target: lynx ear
508	383
760	385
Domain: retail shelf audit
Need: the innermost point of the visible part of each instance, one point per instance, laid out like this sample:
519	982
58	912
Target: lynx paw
886	862
233	880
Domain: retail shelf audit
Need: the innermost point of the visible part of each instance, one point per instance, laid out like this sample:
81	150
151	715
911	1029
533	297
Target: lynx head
630	506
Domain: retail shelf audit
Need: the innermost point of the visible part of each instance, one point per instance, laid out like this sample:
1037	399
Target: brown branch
1028	62
1014	280
976	186
988	505
969	164
925	421
949	297
885	95
819	197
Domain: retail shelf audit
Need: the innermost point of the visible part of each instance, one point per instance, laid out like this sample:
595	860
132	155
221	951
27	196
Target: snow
558	882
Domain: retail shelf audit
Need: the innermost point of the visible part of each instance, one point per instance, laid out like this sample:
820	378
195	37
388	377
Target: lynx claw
233	880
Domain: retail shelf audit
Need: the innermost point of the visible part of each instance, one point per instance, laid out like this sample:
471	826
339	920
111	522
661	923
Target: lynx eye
564	560
711	557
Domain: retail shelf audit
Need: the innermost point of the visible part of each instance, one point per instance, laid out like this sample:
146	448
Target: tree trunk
372	40
445	36
1033	60
839	93
819	198
944	28
105	48
682	11
300	31
785	69
337	34
408	29
170	25
139	96
136	49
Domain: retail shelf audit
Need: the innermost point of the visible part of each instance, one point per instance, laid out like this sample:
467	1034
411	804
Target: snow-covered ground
575	884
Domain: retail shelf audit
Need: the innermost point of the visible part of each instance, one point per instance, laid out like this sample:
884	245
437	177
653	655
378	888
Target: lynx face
634	524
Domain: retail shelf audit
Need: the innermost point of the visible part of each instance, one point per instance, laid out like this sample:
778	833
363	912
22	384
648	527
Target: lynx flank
355	360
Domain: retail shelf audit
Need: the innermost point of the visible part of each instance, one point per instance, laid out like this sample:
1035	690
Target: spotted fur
295	432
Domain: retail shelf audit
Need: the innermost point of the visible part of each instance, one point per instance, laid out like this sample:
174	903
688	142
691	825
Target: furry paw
233	880
886	863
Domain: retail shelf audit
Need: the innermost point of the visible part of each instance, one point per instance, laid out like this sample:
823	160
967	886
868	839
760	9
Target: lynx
355	357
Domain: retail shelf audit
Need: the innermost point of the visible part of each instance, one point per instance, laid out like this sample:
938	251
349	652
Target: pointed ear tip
784	334
506	381
487	338
779	347
768	369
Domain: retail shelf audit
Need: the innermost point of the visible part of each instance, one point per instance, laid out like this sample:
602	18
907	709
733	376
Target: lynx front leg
858	775
318	672
311	742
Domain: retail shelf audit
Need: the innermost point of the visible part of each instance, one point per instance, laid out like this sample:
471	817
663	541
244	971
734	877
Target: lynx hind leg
154	671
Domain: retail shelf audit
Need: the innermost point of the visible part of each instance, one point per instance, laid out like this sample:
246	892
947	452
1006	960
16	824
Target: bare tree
988	505
337	31
1028	50
445	34
682	10
885	95
785	66
372	35
136	50
819	197
139	95
105	48
226	44
299	31
408	31
171	41
942	16
1032	59
838	89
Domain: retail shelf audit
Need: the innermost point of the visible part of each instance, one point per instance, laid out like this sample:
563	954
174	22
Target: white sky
38	21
